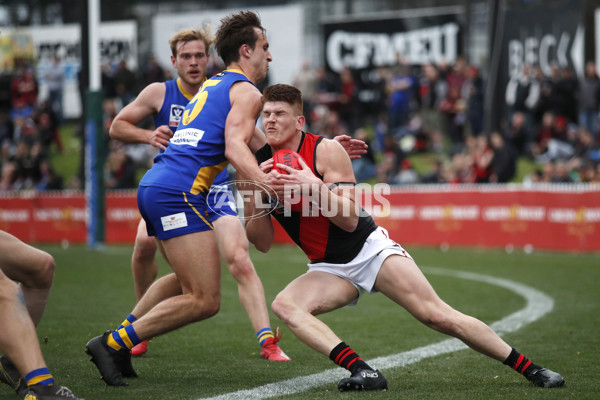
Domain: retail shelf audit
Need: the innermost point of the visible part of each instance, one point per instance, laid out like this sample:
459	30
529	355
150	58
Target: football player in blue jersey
172	196
165	102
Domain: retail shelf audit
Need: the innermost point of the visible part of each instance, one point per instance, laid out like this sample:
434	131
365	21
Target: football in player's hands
286	157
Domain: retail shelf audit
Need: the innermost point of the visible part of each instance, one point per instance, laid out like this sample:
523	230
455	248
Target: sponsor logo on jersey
189	137
175	115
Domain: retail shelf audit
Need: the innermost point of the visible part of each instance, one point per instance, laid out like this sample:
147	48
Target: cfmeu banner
415	36
552	217
369	42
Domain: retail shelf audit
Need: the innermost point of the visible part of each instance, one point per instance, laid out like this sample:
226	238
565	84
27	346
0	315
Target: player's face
261	56
191	62
281	122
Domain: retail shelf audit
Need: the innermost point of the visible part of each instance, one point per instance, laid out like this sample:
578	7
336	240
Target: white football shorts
363	269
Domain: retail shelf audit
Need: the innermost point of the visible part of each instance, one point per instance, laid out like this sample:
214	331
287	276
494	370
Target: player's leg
32	268
144	269
315	293
233	248
163	288
194	259
18	340
19	343
311	294
143	260
178	220
402	281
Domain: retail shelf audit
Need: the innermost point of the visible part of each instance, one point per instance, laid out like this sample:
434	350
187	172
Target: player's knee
441	322
42	276
205	307
284	308
145	247
240	266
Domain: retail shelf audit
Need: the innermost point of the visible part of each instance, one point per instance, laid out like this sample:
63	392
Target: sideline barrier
551	217
60	217
562	217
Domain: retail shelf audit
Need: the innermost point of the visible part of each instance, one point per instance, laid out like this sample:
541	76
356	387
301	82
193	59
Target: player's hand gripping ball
286	157
291	159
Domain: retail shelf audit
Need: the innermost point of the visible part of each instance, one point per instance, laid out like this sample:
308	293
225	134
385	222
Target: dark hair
236	30
286	93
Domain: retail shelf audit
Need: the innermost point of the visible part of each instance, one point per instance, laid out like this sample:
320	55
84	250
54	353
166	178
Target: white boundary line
538	304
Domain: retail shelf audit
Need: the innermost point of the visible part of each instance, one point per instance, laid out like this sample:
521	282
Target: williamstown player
172	196
349	254
166	103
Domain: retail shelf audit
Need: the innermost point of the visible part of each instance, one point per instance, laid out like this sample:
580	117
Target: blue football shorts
169	213
220	202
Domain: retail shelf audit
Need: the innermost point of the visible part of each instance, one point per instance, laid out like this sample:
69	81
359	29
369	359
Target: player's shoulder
327	145
245	93
330	156
155	88
152	95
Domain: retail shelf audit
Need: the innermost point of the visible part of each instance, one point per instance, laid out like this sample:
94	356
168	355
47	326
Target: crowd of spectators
30	124
433	110
550	121
28	129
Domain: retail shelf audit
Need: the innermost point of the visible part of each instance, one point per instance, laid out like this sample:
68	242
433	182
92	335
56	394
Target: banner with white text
564	218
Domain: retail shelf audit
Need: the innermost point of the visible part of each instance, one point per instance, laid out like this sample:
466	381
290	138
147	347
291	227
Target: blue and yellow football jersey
176	98
196	152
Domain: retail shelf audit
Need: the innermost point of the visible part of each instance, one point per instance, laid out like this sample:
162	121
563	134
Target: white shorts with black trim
363	269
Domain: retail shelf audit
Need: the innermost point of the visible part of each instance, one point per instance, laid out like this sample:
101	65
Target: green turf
93	292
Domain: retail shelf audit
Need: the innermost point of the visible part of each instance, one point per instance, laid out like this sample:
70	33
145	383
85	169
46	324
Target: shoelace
277	335
66	392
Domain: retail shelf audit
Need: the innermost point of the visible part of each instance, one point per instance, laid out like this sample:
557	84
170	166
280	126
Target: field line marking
538	304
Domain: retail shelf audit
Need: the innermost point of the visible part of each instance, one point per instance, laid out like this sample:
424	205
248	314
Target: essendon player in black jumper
349	254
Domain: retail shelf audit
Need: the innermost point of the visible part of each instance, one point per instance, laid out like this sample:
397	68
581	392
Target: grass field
93	292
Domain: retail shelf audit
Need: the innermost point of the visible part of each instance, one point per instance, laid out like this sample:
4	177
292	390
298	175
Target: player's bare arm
147	103
334	164
258	140
259	229
240	129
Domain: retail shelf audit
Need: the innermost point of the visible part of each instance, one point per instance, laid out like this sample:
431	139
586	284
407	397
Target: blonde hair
189	34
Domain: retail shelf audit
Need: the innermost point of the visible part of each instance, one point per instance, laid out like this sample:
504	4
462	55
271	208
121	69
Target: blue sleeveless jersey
176	98
196	153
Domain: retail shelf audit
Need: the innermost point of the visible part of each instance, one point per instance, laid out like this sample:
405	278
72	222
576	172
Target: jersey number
199	100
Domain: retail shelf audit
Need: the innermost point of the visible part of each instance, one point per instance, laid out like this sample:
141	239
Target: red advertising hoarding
565	218
60	217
